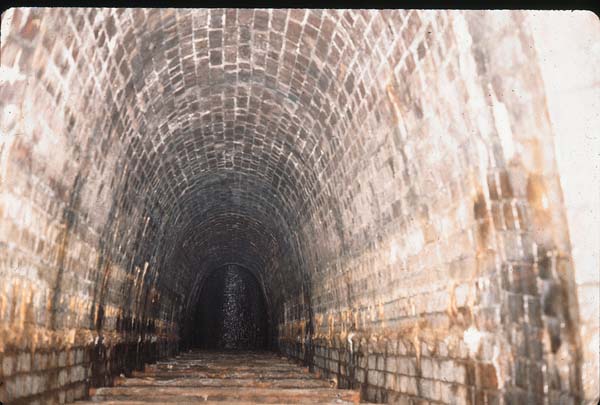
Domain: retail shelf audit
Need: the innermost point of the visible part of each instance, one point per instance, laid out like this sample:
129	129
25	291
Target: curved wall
389	176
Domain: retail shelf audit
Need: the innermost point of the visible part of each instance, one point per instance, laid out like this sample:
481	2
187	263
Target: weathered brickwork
388	176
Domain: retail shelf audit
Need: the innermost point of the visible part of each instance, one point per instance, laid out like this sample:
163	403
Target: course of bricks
388	176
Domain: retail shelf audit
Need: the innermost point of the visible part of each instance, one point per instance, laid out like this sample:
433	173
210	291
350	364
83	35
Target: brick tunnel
405	202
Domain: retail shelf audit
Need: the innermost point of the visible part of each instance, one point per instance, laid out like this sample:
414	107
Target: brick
391	174
8	365
408	385
430	389
24	362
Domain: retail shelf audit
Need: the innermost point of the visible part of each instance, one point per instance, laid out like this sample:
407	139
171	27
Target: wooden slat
262	395
201	402
213	377
223	374
222	367
224	382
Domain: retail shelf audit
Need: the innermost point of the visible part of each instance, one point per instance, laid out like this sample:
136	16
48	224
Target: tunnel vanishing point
404	201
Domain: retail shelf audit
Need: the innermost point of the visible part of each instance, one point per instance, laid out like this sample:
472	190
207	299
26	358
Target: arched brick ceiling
238	110
389	178
222	128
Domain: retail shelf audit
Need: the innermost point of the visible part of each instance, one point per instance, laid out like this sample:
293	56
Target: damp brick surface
389	178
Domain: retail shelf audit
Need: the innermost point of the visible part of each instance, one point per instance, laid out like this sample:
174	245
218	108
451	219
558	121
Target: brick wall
389	177
77	304
449	235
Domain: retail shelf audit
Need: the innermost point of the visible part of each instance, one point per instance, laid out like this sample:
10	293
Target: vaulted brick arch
387	176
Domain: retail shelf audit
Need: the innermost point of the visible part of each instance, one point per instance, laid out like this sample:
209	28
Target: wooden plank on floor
263	395
201	402
223	367
224	374
217	377
224	382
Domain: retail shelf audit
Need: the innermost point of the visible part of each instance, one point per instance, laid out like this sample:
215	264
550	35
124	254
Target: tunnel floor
216	376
